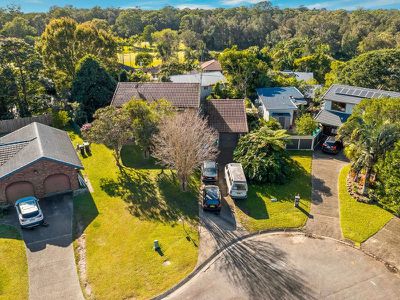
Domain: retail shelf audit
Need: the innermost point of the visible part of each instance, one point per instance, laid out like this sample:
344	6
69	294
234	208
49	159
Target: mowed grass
258	212
129	209
13	265
359	221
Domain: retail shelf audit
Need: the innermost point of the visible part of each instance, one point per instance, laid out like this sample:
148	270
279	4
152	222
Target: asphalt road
291	266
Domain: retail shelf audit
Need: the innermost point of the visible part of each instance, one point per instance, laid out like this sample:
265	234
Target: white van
236	181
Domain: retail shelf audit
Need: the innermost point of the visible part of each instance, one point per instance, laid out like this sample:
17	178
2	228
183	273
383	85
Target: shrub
60	119
306	124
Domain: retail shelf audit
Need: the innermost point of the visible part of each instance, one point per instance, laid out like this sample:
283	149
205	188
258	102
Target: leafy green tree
8	93
143	59
93	87
147	33
306	124
378	69
244	70
111	127
263	156
21	57
167	43
388	186
129	23
64	42
19	28
376	41
60	119
371	131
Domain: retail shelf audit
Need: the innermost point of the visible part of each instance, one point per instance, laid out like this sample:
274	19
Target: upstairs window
338	106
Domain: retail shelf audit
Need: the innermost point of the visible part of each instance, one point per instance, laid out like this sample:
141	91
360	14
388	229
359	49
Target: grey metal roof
207	79
181	95
331	118
301	76
354	95
34	142
280	97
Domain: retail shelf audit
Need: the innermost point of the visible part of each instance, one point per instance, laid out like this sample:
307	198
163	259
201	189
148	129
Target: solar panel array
361	93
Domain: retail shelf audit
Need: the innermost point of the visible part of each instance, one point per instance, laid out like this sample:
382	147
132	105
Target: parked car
209	171
236	181
332	145
29	212
212	198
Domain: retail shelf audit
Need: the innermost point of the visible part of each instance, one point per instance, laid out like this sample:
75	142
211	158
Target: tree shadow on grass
132	157
151	197
9	232
256	207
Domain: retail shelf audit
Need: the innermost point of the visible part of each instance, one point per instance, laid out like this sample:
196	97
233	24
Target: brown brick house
37	160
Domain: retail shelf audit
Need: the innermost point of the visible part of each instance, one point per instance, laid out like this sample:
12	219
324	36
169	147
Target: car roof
209	164
28	206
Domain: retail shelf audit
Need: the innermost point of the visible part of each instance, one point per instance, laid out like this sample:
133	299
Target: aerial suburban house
180	95
280	103
300	76
207	80
228	118
211	66
37	160
339	101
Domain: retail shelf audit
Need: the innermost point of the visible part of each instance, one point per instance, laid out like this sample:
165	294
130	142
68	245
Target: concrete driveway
51	260
291	266
325	201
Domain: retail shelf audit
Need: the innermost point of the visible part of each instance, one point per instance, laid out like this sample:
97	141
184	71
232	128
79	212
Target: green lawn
13	265
127	211
358	220
259	213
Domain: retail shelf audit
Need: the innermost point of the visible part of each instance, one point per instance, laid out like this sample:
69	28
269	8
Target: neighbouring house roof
280	98
354	95
331	118
207	79
211	65
301	76
34	142
227	115
181	95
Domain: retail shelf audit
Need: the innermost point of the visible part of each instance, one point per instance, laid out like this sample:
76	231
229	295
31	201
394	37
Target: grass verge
129	209
13	265
359	221
258	212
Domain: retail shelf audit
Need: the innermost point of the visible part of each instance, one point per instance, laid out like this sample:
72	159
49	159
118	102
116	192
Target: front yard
129	209
13	265
359	221
258	212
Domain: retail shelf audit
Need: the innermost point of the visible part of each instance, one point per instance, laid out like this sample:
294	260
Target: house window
338	106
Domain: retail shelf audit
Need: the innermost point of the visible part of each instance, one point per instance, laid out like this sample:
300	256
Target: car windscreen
212	194
239	187
212	202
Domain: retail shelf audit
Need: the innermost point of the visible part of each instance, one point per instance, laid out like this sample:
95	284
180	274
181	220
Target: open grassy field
258	212
129	209
13	265
359	221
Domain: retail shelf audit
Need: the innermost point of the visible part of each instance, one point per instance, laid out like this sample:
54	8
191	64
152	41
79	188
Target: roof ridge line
39	138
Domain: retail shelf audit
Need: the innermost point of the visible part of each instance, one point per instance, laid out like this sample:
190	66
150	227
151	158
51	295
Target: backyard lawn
13	265
258	212
129	209
358	220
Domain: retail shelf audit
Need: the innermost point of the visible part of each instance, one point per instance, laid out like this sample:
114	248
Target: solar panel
369	94
363	93
350	92
345	91
357	93
338	90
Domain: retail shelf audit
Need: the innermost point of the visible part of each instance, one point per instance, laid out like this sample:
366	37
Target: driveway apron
325	201
51	261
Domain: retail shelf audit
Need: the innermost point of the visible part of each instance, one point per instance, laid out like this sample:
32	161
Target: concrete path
325	201
291	266
50	253
385	244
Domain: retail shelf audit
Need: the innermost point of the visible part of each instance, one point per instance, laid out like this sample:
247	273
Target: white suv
29	212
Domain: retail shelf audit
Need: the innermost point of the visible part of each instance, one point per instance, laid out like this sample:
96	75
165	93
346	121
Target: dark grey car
209	171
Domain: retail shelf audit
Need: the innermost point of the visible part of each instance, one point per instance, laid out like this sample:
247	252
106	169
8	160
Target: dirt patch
82	263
